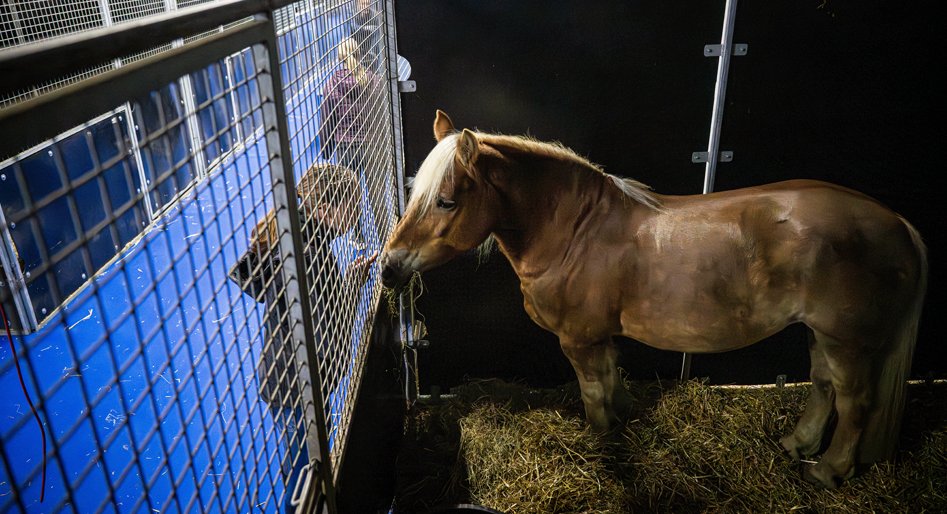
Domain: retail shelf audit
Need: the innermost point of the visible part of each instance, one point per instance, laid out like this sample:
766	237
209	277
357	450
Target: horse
599	256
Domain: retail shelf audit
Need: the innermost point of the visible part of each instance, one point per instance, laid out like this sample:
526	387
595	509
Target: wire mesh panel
152	379
29	21
33	20
150	273
334	65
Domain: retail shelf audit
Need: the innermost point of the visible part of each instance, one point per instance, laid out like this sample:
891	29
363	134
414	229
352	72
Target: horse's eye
445	204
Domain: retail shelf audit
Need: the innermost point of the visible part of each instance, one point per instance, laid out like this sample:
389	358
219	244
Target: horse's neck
546	206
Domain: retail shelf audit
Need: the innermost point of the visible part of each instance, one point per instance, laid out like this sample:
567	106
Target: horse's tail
880	439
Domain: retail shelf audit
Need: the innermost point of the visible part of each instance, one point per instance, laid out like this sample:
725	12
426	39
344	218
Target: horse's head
452	208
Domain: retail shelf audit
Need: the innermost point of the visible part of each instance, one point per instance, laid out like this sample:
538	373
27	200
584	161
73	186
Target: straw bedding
688	447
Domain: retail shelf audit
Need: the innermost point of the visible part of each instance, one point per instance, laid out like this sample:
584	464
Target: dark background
849	92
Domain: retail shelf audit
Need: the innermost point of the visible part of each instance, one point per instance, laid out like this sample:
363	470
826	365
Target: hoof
820	475
601	428
791	446
796	449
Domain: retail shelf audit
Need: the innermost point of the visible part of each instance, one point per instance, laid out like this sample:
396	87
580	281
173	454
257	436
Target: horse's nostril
387	272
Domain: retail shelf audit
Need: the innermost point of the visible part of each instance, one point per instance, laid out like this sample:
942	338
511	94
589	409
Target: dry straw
689	448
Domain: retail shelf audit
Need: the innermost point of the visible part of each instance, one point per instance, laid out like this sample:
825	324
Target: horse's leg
806	439
602	390
851	379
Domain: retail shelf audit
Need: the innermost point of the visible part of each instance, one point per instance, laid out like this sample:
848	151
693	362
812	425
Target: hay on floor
689	448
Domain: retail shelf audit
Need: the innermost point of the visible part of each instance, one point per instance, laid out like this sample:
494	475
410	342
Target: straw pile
689	448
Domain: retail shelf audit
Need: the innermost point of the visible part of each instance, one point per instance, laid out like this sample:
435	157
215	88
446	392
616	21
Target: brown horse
599	256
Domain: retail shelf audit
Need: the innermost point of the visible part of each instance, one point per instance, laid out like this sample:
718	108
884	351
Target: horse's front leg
603	393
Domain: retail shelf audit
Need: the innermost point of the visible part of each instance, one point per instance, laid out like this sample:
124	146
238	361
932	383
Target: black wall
847	92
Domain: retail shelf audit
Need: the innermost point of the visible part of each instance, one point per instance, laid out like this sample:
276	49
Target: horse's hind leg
851	378
602	391
807	437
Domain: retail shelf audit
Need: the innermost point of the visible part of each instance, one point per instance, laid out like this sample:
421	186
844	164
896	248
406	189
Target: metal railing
186	244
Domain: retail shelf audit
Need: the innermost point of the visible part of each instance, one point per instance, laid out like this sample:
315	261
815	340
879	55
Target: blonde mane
440	164
427	182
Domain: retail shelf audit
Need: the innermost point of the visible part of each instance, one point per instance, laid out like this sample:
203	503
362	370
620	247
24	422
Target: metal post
231	79
716	120
193	124
292	247
17	25
397	139
720	94
139	162
13	275
406	314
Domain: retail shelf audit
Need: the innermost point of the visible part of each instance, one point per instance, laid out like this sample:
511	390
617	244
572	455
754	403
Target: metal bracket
303	483
407	86
416	339
418	344
714	50
699	157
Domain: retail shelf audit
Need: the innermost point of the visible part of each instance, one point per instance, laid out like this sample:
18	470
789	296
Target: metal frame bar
10	159
193	125
395	101
276	132
62	56
136	151
14	278
15	21
231	82
74	104
720	95
716	121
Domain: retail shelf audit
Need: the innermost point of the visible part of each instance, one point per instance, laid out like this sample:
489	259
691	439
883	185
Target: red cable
16	360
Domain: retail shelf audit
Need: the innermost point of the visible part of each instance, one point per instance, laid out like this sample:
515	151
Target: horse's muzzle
394	274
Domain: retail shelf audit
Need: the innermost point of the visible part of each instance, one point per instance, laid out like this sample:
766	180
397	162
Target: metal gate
191	199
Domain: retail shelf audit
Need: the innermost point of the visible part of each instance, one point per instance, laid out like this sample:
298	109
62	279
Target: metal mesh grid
29	21
124	10
71	79
334	68
153	378
35	20
164	366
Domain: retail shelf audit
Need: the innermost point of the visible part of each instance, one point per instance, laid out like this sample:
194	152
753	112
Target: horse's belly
706	330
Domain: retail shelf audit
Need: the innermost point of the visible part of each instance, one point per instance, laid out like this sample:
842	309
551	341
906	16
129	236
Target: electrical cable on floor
26	393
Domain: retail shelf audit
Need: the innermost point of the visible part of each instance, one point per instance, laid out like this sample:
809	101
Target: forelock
436	166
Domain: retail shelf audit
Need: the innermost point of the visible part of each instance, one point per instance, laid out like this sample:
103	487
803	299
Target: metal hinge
714	50
698	157
407	86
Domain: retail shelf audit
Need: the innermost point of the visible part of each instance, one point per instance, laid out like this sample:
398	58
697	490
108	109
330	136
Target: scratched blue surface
165	347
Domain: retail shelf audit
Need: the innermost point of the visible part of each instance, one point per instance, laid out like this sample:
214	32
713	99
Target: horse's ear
443	126
468	148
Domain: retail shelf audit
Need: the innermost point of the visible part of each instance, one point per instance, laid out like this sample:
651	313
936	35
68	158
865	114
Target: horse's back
766	256
856	258
813	209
